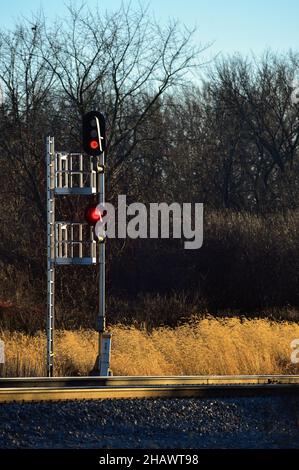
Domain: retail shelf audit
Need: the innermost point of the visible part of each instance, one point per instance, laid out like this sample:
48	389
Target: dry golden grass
206	346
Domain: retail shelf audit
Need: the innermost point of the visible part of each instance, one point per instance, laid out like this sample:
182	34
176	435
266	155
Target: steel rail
88	388
146	380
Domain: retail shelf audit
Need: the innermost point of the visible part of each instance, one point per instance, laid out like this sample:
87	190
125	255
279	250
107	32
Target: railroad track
72	388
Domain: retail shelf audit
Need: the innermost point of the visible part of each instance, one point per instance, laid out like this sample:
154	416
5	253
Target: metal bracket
101	168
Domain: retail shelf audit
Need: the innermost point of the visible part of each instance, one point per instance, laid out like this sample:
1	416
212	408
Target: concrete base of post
102	363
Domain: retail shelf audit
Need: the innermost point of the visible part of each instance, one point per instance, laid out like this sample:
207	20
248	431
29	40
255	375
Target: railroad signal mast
73	243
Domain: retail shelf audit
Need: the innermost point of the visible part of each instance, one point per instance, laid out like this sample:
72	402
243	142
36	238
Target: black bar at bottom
145	458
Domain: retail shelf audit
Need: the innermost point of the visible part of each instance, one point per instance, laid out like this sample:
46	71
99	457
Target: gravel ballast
264	422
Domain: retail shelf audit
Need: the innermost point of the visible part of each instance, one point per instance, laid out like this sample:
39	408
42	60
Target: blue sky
245	26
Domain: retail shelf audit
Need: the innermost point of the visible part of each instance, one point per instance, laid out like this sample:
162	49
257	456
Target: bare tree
255	132
121	63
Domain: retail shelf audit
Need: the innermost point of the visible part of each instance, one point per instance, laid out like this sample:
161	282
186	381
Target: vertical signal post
94	144
104	340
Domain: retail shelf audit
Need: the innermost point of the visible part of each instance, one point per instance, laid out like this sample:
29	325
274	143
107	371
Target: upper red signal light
94	144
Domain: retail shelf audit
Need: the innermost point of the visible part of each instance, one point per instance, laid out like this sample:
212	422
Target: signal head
93	127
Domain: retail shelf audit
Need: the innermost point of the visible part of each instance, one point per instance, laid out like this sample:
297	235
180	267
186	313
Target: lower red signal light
93	214
94	144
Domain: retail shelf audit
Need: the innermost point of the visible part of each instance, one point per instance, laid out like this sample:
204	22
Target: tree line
229	140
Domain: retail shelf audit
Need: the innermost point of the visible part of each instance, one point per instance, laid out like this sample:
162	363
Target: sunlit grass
205	346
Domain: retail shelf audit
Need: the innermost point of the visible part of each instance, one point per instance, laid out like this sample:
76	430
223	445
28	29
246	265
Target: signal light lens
93	214
94	144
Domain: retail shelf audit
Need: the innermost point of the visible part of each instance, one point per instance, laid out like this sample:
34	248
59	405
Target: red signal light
94	144
93	214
